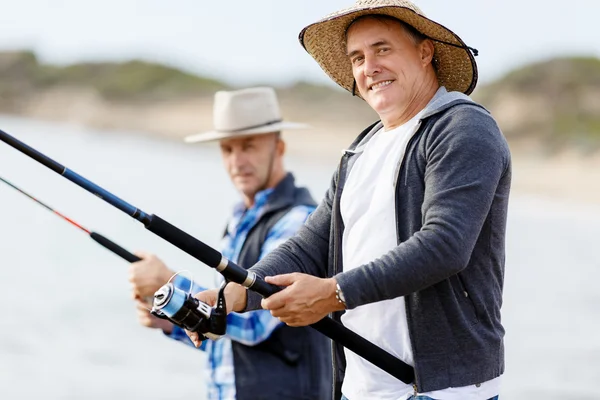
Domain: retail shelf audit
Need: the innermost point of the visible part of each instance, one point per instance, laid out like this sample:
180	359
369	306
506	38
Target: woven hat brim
218	135
325	42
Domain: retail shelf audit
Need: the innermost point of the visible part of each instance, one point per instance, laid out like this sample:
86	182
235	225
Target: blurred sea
68	327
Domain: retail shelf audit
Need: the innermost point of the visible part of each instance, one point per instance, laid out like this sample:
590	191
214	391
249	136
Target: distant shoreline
566	175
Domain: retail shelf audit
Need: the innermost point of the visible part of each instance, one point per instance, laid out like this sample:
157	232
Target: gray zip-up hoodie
451	199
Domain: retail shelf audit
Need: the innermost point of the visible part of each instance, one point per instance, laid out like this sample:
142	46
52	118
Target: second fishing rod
95	236
230	271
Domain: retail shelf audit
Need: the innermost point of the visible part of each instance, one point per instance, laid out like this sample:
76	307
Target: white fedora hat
245	112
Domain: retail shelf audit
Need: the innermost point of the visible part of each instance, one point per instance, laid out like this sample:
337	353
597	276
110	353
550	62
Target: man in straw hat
260	357
409	242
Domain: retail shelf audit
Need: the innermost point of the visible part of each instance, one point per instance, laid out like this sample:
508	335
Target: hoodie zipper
336	233
408	315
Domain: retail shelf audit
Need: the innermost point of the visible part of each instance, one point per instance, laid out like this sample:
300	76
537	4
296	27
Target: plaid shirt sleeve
254	327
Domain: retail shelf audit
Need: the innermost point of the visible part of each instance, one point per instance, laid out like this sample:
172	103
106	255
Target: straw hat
325	42
245	112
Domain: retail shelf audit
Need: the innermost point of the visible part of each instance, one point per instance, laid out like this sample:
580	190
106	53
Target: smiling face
254	163
392	68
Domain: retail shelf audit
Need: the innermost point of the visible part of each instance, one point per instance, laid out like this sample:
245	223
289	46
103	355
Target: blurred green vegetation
567	96
127	81
556	101
564	74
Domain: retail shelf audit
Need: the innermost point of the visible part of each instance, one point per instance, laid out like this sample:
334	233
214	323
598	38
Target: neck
422	96
272	181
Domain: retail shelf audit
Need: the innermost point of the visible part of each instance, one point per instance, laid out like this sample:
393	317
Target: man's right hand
235	299
150	321
148	275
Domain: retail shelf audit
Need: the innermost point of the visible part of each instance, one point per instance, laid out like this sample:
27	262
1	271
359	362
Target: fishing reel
187	312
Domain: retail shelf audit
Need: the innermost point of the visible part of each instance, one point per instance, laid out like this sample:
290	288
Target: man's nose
238	159
372	66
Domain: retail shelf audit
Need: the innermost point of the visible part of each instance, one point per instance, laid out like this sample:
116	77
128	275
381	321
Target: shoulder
465	125
470	118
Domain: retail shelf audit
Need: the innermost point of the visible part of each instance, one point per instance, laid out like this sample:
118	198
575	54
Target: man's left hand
305	300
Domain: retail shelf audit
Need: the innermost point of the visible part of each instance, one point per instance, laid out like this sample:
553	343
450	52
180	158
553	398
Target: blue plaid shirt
249	328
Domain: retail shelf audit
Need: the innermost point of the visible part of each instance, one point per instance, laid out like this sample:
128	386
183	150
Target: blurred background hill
147	97
549	110
556	102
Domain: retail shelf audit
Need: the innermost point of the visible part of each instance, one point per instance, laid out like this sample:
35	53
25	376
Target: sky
242	42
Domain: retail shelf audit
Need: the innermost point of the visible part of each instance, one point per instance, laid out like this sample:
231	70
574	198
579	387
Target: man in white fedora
260	357
409	242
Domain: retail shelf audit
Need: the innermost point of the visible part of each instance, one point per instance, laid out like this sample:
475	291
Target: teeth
380	84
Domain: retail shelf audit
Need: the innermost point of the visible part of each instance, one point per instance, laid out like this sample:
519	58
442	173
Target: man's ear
427	50
280	147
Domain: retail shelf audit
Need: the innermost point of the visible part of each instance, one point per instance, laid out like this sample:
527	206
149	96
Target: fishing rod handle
196	249
115	248
365	349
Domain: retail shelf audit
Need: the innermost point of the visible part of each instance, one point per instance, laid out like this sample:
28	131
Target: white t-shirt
368	211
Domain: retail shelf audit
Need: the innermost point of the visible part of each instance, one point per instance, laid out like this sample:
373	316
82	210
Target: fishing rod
98	238
230	271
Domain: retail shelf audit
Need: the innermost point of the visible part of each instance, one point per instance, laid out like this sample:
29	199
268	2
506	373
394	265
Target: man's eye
357	60
384	50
